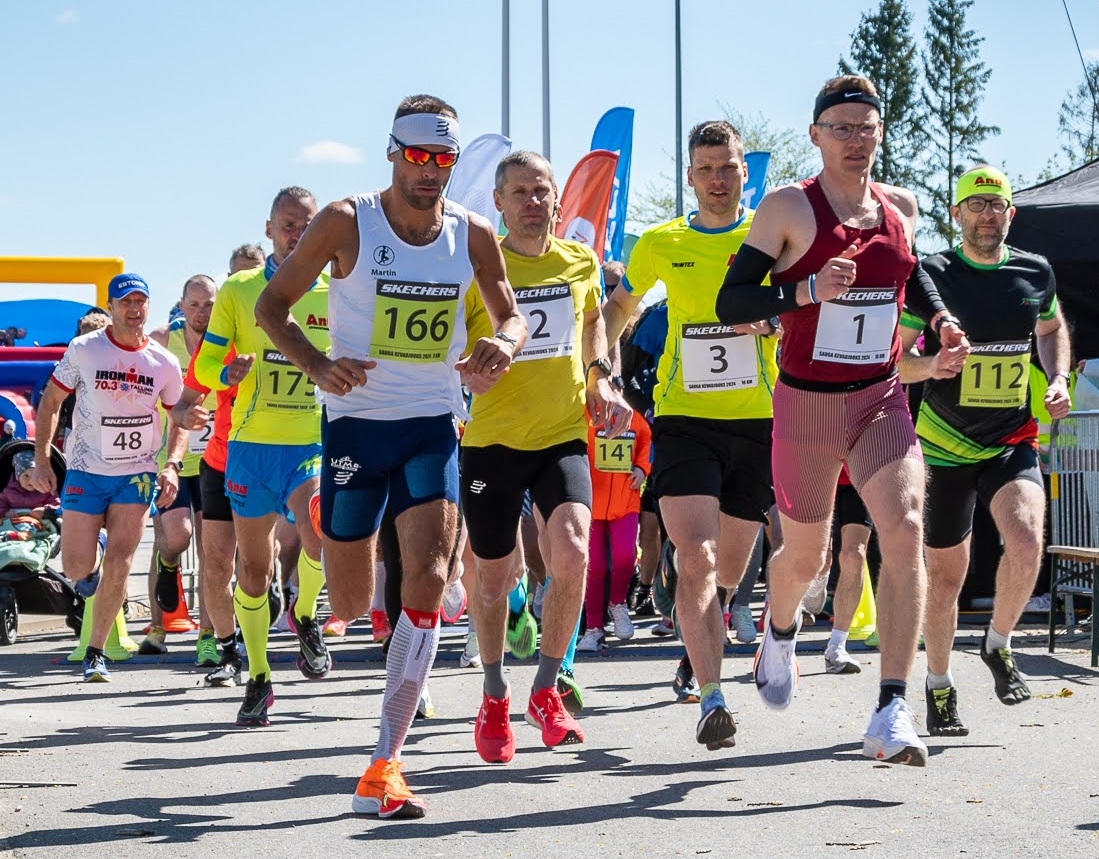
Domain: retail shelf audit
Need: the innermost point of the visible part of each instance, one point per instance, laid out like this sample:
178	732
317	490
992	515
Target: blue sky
160	131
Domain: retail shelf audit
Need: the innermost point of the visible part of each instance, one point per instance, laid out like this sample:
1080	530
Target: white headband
425	129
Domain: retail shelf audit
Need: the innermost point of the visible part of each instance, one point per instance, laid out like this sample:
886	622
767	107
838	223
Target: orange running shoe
334	627
492	731
547	712
379	624
382	791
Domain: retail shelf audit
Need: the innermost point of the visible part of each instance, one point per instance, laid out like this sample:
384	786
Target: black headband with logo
827	100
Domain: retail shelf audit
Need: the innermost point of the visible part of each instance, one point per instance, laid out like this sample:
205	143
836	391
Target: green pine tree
1078	120
954	80
883	50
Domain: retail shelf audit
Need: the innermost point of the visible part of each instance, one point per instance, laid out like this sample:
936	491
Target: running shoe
471	656
258	696
665	582
95	669
571	692
817	593
891	736
167	585
334	627
620	621
454	601
547	712
228	671
521	635
492	734
425	707
379	624
942	713
776	669
206	651
684	684
314	660
1011	688
838	661
872	640
743	624
642	601
716	728
592	641
274	601
282	624
538	601
153	644
383	791
664	628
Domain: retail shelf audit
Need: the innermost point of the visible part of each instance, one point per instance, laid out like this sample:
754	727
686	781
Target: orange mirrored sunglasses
420	156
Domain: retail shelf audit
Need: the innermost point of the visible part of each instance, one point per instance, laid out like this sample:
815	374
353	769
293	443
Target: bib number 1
858	328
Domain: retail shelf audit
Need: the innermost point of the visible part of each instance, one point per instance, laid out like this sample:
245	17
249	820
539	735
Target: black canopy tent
1060	221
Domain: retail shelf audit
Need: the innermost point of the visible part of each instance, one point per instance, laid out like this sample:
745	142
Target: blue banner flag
756	186
614	132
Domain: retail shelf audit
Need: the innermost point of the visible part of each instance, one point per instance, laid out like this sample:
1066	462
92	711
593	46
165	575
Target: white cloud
69	16
330	152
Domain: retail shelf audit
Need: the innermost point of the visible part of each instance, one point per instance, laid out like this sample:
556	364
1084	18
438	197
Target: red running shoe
548	713
492	732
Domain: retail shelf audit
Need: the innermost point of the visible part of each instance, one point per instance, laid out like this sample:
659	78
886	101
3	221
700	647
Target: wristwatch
507	338
603	364
177	464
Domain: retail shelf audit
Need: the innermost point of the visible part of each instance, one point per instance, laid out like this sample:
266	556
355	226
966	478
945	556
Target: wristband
812	289
224	376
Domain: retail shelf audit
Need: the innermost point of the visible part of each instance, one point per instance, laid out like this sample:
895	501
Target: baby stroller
27	582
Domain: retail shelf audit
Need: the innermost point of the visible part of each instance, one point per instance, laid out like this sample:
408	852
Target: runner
530	432
839	251
273	459
118	375
712	431
402	261
172	528
978	434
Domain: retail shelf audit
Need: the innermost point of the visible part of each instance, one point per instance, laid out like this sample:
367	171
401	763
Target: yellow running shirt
540	400
276	403
706	371
196	439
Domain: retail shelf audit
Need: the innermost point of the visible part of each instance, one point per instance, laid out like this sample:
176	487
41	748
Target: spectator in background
246	257
9	432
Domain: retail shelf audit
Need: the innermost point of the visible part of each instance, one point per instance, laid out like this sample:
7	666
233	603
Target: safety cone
865	621
180	619
119	645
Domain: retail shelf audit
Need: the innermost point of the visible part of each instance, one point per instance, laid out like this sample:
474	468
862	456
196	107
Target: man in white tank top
402	261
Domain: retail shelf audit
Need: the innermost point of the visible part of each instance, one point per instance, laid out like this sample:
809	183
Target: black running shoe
684	684
1011	688
167	585
643	602
228	671
258	696
314	660
942	713
274	600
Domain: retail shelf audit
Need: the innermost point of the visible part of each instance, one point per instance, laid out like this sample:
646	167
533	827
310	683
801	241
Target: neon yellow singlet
705	371
540	401
276	403
196	439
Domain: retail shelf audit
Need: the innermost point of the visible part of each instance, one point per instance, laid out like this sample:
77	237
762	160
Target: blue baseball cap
122	285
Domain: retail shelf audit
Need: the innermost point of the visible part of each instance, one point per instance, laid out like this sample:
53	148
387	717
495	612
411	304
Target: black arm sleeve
921	296
743	297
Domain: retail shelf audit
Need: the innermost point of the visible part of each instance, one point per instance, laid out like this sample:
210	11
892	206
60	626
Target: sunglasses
420	156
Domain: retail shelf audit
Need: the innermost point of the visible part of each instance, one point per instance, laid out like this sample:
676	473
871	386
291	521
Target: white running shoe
454	601
592	641
891	736
471	656
816	595
539	599
776	669
620	618
838	661
743	624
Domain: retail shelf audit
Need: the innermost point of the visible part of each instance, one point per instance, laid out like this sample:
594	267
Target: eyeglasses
420	156
977	204
844	130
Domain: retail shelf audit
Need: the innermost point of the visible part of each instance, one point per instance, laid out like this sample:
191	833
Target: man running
978	434
839	251
119	375
402	261
530	432
712	431
273	459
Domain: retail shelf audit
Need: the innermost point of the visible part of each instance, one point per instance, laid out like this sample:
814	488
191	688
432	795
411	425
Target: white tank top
403	306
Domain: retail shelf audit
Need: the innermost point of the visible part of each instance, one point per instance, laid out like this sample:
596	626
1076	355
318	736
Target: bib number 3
716	359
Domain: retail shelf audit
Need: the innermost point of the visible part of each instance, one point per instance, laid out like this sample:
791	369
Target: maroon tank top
854	338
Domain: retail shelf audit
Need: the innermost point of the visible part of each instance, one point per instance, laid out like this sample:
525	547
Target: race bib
551	321
283	387
128	439
995	375
197	439
614	455
716	359
413	322
857	328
